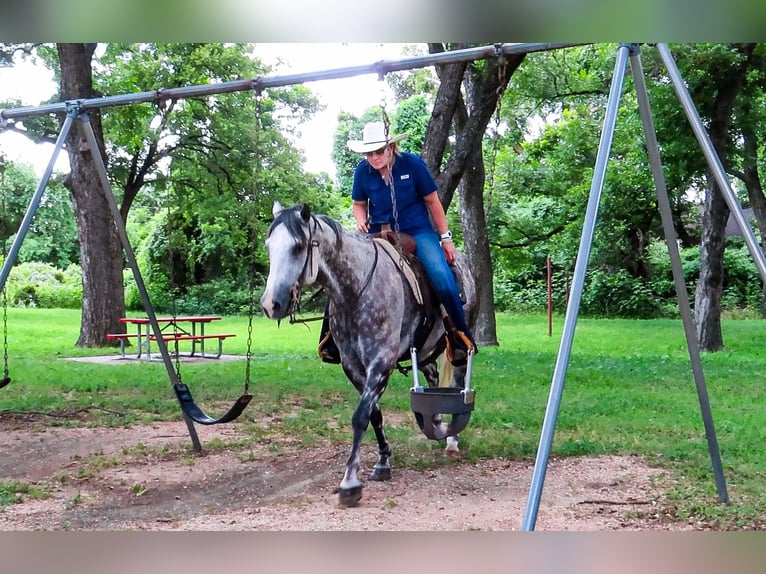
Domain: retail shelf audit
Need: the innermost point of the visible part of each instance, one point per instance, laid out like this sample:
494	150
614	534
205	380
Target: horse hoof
380	474
452	453
349	497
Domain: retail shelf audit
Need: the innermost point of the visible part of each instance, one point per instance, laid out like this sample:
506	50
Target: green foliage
14	492
412	118
629	392
618	294
52	234
42	285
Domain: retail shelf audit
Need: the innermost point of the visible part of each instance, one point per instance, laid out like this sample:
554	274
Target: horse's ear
305	212
276	208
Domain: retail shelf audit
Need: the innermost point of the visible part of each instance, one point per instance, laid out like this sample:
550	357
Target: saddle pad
403	264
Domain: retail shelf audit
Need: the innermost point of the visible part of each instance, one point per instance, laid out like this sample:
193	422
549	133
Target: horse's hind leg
382	470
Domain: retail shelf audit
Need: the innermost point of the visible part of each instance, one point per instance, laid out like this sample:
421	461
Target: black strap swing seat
4	381
195	413
188	405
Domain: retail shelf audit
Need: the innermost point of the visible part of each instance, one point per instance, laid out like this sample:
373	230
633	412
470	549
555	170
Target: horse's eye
296	249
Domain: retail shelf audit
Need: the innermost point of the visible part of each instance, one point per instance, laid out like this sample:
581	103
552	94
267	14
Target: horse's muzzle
279	307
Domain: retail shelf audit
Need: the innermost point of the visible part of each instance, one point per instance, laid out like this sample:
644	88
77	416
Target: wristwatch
446	236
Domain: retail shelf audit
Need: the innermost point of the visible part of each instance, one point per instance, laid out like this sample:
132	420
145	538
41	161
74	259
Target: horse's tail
446	371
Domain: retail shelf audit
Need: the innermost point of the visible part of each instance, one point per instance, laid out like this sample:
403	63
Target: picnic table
174	330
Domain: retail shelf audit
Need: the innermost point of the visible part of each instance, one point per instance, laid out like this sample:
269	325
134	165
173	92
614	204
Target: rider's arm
440	222
359	210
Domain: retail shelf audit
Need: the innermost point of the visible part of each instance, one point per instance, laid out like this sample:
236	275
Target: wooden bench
173	337
122	337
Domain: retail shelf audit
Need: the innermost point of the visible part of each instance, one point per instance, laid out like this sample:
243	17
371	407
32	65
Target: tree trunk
754	186
483	86
475	236
100	248
707	302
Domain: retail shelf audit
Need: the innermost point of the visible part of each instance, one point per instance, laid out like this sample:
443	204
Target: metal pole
380	68
34	203
130	255
565	347
678	275
714	162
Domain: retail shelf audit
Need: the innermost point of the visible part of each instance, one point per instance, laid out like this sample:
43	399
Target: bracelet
446	236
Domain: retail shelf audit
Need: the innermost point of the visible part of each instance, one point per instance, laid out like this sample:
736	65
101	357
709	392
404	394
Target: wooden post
550	297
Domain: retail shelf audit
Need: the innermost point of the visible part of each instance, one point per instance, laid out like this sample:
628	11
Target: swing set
77	111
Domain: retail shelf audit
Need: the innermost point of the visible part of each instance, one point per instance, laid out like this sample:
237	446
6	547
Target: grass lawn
629	390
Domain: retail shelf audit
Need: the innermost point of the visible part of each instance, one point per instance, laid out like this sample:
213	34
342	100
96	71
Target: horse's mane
292	219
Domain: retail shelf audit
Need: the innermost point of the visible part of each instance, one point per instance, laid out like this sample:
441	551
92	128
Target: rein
312	263
311	266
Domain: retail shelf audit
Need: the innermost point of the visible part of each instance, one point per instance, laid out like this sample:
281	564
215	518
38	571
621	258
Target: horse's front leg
350	491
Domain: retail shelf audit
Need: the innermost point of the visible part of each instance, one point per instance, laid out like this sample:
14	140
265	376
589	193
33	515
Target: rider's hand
362	227
449	251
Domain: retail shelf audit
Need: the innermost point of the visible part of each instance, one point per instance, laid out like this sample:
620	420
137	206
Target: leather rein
311	266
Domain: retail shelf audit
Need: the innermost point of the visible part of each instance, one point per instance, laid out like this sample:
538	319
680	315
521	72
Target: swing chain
251	298
174	285
6	370
501	71
390	175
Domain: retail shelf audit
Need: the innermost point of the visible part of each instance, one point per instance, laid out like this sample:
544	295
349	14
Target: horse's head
292	259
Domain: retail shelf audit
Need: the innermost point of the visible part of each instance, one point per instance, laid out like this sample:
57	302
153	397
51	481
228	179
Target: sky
32	85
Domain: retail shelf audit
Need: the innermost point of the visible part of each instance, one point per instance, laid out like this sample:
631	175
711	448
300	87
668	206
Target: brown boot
458	347
328	350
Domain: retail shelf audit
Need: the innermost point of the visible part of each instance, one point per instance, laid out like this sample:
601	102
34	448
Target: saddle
401	248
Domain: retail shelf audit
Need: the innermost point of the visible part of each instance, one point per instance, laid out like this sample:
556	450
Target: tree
750	116
201	150
727	72
52	236
100	248
467	116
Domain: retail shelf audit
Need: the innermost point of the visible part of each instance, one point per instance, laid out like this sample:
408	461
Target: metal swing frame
75	110
5	378
631	52
191	411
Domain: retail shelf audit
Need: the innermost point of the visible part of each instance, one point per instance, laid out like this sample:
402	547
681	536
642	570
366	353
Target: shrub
36	284
618	294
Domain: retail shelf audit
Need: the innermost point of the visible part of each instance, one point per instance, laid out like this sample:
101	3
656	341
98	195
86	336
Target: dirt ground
149	478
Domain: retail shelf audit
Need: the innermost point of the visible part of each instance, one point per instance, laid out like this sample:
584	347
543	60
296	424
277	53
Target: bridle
309	275
311	265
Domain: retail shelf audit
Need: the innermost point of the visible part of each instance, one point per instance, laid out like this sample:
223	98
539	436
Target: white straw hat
373	138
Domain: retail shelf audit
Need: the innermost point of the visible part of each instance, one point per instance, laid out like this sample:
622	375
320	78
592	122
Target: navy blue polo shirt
412	182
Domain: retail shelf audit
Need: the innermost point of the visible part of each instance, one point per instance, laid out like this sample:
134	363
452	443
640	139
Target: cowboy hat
373	138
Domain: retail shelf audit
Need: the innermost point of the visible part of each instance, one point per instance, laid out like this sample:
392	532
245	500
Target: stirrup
326	354
455	354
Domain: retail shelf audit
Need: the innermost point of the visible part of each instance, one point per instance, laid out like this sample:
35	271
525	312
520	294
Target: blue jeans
429	252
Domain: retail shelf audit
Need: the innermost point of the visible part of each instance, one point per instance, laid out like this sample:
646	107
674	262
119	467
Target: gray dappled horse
373	316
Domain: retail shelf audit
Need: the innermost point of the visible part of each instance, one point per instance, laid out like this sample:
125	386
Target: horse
373	313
